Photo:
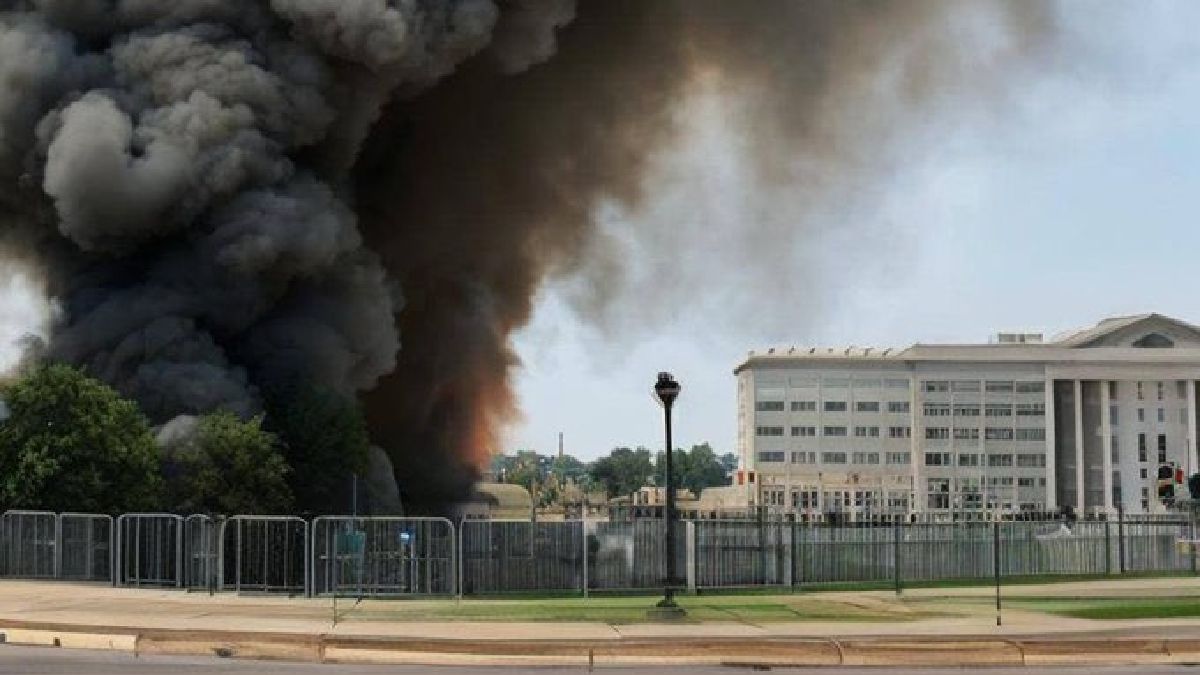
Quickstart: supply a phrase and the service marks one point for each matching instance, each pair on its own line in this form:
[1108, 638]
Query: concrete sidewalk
[273, 627]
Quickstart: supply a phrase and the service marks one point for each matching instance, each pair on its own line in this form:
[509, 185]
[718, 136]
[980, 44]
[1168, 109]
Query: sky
[1076, 202]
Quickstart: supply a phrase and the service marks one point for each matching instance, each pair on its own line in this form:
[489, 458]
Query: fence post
[1107, 549]
[690, 548]
[583, 535]
[1121, 538]
[996, 564]
[896, 533]
[58, 539]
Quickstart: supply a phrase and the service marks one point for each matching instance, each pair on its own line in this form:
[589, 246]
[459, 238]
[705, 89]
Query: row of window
[834, 432]
[867, 458]
[1023, 460]
[845, 382]
[993, 386]
[1181, 387]
[1115, 417]
[832, 406]
[989, 433]
[989, 410]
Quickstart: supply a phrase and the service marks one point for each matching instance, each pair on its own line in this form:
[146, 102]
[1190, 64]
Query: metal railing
[264, 554]
[386, 556]
[383, 556]
[149, 550]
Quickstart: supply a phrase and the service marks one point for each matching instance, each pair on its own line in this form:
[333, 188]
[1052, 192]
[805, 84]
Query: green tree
[694, 470]
[623, 471]
[71, 443]
[325, 442]
[227, 466]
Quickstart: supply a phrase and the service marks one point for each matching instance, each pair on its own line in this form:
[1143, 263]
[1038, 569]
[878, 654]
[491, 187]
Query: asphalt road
[51, 661]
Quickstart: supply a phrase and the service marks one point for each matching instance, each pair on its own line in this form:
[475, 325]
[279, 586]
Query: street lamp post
[666, 389]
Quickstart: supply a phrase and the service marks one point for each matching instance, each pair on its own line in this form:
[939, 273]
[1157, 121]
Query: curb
[749, 652]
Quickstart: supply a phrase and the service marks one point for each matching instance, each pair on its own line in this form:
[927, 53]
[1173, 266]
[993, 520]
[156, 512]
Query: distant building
[499, 501]
[1021, 424]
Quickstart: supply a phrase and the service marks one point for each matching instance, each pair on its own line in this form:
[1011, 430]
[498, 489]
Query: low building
[497, 501]
[1018, 425]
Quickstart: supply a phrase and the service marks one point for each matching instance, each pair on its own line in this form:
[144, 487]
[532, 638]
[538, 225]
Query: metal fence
[382, 556]
[149, 550]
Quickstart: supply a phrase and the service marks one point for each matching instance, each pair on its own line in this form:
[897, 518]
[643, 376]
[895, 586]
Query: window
[1031, 387]
[935, 386]
[1116, 449]
[771, 456]
[965, 385]
[835, 406]
[804, 406]
[938, 493]
[968, 459]
[804, 458]
[1000, 460]
[833, 457]
[937, 409]
[864, 458]
[1162, 448]
[804, 431]
[834, 431]
[896, 384]
[866, 432]
[860, 383]
[998, 410]
[1112, 389]
[1031, 461]
[998, 434]
[899, 432]
[836, 382]
[1142, 447]
[898, 407]
[1114, 415]
[1143, 473]
[898, 457]
[999, 386]
[937, 433]
[1162, 415]
[966, 434]
[769, 431]
[1160, 390]
[769, 406]
[966, 410]
[937, 459]
[1031, 410]
[1025, 482]
[866, 406]
[1031, 434]
[1181, 388]
[1139, 391]
[1141, 414]
[1183, 415]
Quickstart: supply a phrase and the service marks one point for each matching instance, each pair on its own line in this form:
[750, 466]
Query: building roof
[1122, 339]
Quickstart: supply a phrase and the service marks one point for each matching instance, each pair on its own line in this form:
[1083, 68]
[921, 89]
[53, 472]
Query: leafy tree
[694, 470]
[729, 462]
[71, 443]
[623, 471]
[325, 442]
[227, 466]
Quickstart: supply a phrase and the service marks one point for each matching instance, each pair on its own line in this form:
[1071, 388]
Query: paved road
[50, 661]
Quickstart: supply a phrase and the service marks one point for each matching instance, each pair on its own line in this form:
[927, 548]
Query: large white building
[971, 431]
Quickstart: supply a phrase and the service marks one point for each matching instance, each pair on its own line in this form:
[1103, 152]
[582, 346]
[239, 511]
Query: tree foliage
[325, 442]
[227, 466]
[694, 470]
[623, 471]
[71, 443]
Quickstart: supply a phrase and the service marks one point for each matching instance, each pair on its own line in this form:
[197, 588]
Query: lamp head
[666, 389]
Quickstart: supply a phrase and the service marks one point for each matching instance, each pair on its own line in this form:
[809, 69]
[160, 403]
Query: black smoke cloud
[222, 194]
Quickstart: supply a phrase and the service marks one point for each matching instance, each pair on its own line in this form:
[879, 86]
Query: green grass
[624, 610]
[1114, 608]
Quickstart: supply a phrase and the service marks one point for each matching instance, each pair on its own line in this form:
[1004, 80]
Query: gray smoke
[226, 194]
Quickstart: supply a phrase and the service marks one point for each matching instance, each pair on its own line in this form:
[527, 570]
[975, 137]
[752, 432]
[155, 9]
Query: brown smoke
[481, 188]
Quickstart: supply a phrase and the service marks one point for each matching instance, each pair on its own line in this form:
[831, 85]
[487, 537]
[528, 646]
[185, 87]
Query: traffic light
[1166, 484]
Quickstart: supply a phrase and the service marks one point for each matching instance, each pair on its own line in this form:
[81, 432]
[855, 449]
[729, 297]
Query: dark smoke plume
[224, 194]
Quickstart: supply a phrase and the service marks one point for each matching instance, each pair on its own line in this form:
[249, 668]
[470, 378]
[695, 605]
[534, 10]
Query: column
[1079, 466]
[1192, 462]
[1051, 454]
[1106, 443]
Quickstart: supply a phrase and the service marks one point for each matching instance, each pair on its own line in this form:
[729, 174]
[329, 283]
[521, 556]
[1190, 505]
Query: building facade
[1018, 425]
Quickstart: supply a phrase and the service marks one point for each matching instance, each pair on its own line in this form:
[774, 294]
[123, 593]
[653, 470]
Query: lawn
[623, 610]
[1113, 608]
